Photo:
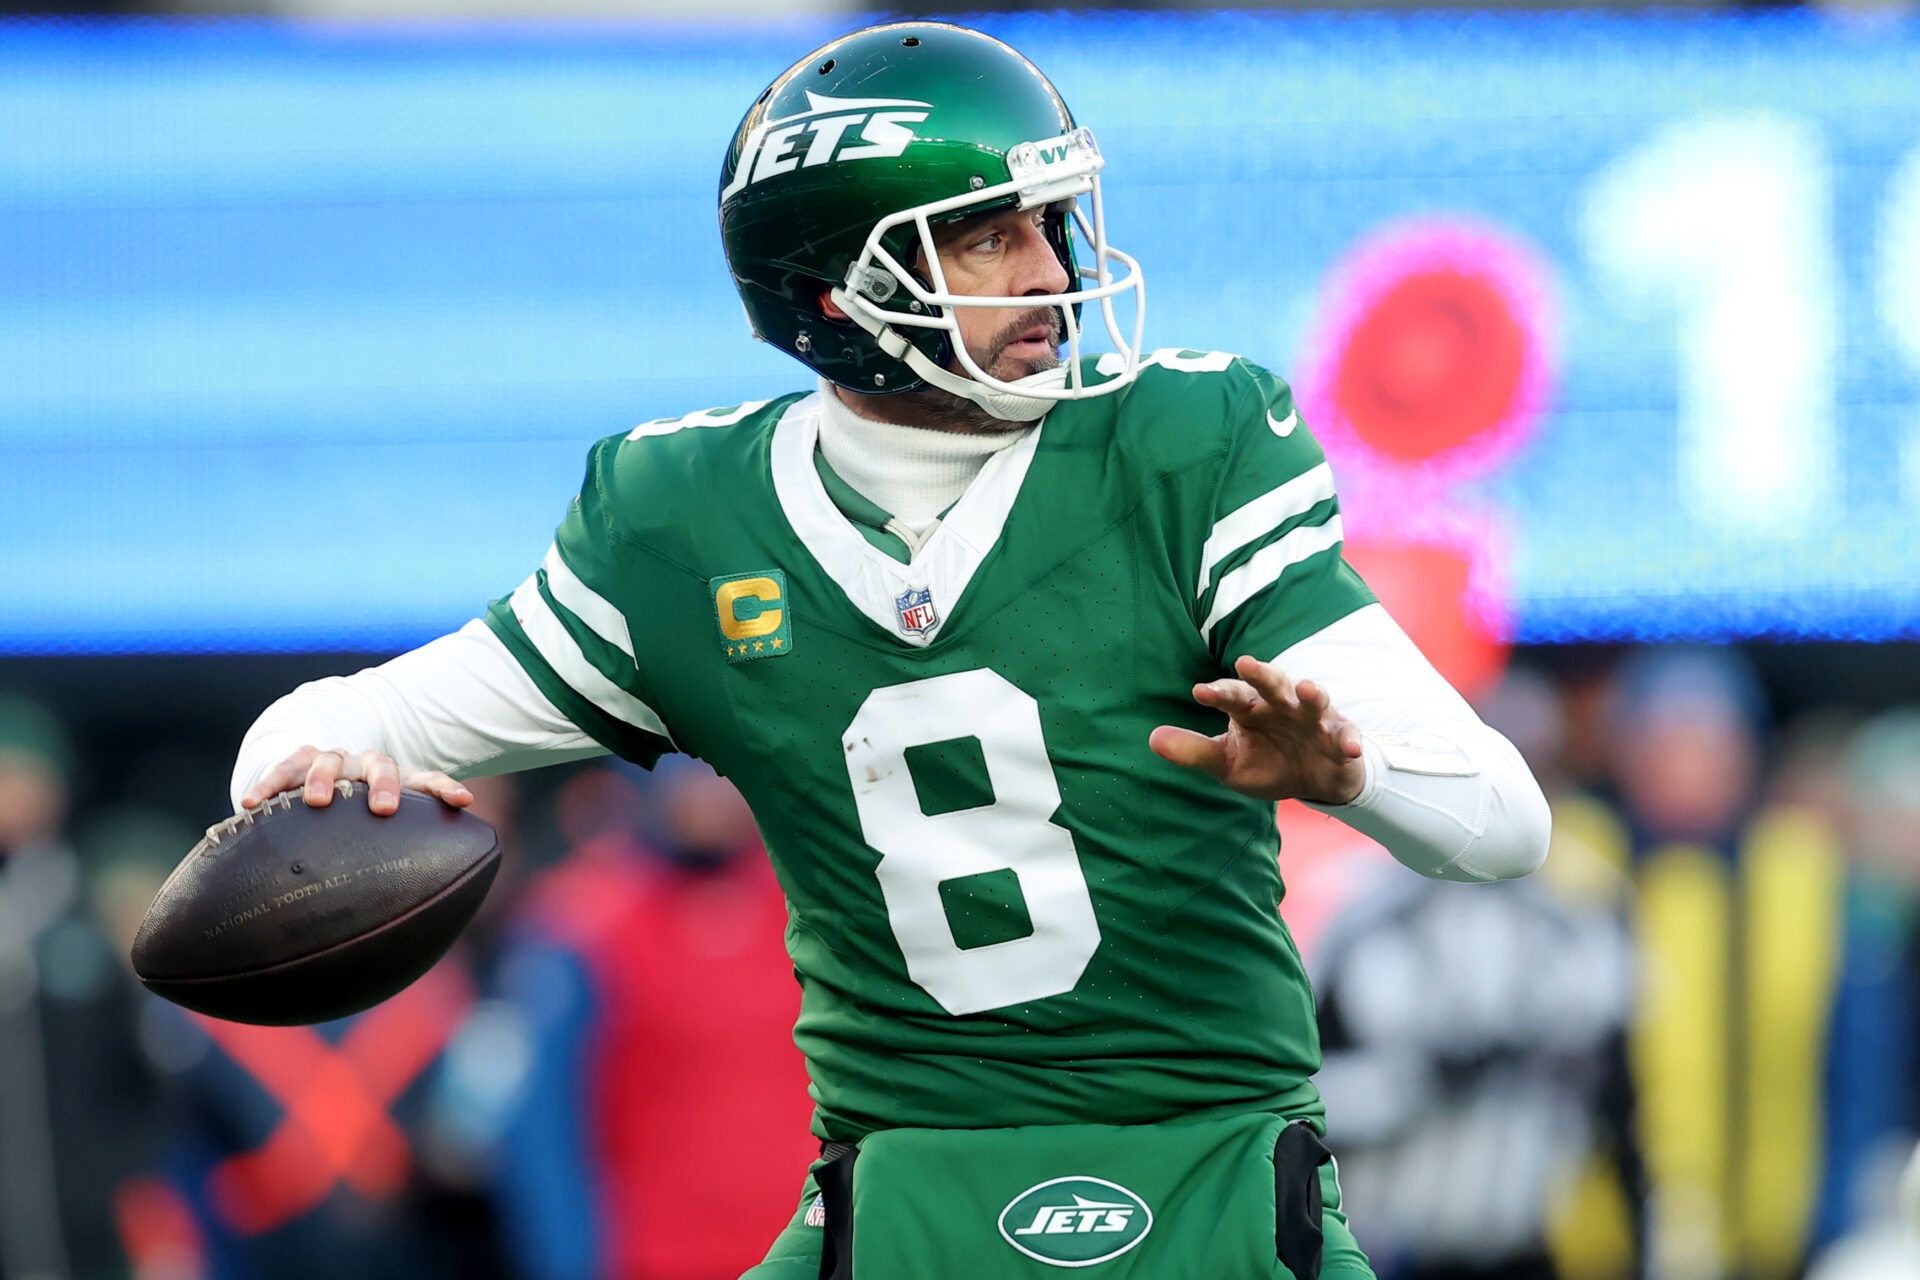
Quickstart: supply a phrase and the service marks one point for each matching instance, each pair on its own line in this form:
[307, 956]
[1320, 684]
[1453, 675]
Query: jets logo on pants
[1075, 1221]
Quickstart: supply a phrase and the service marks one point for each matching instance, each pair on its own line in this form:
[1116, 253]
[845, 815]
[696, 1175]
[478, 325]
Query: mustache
[1049, 316]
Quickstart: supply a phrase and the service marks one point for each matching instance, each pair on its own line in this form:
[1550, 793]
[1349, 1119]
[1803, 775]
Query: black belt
[1298, 1154]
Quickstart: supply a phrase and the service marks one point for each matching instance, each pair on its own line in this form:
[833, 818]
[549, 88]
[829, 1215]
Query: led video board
[1611, 325]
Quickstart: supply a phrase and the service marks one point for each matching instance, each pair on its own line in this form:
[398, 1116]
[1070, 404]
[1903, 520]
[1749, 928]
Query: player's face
[1007, 255]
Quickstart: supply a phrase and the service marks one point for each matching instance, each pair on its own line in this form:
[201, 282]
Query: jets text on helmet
[831, 129]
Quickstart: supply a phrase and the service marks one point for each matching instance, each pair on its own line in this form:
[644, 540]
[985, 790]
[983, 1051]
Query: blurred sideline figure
[1870, 1217]
[76, 1104]
[1738, 910]
[650, 975]
[1475, 1046]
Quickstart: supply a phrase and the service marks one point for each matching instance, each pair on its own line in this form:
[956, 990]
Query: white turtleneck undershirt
[911, 473]
[1446, 794]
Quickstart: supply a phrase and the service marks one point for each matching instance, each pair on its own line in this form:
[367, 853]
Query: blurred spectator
[1738, 904]
[76, 1104]
[1873, 1070]
[1810, 769]
[129, 851]
[294, 1157]
[1474, 1040]
[1684, 743]
[595, 803]
[661, 1116]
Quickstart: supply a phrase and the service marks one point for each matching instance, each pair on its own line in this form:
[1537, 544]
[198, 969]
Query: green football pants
[795, 1254]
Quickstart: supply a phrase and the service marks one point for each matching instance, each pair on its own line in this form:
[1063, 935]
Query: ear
[829, 308]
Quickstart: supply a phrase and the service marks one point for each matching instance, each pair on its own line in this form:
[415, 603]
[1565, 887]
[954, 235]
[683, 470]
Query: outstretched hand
[315, 771]
[1284, 741]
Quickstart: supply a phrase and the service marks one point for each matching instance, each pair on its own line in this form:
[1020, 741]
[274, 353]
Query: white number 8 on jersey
[1015, 831]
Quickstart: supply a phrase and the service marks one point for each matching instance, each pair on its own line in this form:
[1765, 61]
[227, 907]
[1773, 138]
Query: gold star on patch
[776, 642]
[758, 645]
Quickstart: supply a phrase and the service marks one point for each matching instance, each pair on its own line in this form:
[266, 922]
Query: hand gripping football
[290, 914]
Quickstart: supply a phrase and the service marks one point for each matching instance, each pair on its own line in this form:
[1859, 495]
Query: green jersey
[1004, 908]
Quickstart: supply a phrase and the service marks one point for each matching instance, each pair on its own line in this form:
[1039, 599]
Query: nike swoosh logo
[1283, 427]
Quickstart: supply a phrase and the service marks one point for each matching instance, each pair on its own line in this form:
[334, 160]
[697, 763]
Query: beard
[940, 410]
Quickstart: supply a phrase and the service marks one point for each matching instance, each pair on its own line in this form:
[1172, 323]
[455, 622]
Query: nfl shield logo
[915, 606]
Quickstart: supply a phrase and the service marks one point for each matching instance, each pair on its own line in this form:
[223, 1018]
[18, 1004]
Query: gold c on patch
[755, 619]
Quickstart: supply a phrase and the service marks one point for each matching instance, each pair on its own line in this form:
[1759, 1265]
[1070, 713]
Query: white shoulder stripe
[698, 418]
[562, 652]
[1262, 516]
[588, 605]
[1267, 565]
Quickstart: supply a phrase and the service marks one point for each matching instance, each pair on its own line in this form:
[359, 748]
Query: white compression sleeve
[460, 704]
[1446, 794]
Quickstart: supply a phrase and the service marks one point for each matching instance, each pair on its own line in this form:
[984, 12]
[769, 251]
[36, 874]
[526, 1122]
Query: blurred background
[1609, 319]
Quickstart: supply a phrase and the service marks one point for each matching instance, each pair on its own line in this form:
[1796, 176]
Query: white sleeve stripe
[585, 603]
[562, 652]
[1262, 516]
[1267, 565]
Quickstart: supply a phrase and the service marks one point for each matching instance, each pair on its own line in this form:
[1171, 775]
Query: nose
[1038, 269]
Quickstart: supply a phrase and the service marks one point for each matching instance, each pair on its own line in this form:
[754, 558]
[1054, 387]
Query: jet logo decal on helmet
[820, 134]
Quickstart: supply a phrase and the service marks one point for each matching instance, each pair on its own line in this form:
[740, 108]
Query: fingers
[1350, 745]
[1305, 702]
[281, 777]
[1313, 699]
[381, 773]
[1271, 683]
[1235, 697]
[316, 772]
[440, 786]
[328, 767]
[1193, 750]
[1254, 698]
[1284, 739]
[383, 781]
[1310, 700]
[1315, 704]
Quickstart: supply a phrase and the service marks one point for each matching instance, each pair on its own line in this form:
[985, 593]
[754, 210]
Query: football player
[1012, 656]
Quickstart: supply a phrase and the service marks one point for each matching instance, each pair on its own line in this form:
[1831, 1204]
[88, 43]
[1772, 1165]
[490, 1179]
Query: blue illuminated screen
[304, 333]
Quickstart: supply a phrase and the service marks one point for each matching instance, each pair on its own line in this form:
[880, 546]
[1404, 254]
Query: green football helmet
[844, 165]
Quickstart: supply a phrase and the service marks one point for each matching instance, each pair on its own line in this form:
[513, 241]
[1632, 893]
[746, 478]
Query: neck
[910, 471]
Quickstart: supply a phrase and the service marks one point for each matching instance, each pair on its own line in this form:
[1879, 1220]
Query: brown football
[290, 914]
